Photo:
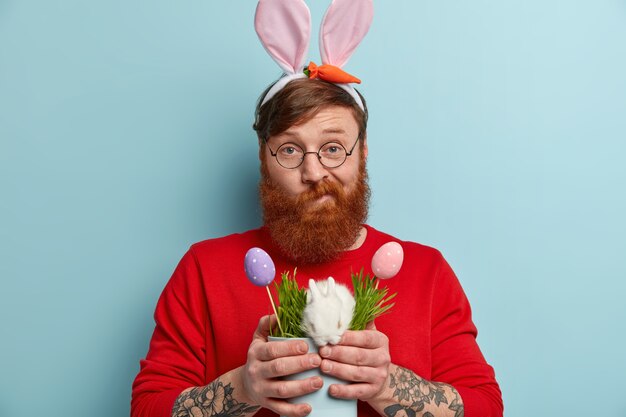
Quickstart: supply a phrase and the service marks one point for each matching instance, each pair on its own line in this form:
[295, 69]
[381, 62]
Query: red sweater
[208, 312]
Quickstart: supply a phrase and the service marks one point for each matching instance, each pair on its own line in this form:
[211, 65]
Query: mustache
[321, 189]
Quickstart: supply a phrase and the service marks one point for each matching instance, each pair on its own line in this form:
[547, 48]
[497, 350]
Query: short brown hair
[299, 101]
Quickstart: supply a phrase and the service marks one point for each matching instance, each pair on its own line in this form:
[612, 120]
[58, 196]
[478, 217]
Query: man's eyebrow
[289, 134]
[296, 135]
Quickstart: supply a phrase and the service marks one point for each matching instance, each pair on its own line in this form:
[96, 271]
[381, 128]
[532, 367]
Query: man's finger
[284, 408]
[368, 339]
[273, 350]
[355, 355]
[289, 365]
[354, 373]
[291, 389]
[263, 328]
[352, 391]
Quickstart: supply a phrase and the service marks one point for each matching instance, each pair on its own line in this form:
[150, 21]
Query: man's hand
[268, 361]
[362, 357]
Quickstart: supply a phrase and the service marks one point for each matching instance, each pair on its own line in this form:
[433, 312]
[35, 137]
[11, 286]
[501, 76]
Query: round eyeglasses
[331, 154]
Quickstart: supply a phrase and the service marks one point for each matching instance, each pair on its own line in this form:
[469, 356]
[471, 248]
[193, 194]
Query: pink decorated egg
[387, 260]
[259, 267]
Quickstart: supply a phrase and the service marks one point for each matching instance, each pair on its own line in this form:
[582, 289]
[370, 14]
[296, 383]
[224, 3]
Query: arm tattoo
[213, 400]
[413, 393]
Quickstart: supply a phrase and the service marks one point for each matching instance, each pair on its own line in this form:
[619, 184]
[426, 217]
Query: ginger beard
[308, 231]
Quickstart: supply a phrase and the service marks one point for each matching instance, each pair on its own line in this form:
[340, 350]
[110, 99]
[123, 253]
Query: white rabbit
[328, 312]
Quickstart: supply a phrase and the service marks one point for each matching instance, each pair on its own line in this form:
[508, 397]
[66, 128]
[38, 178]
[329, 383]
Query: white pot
[322, 404]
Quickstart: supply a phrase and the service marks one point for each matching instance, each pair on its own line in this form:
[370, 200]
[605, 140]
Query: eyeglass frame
[319, 157]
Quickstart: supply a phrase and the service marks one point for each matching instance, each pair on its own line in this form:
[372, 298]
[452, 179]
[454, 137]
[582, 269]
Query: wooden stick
[274, 307]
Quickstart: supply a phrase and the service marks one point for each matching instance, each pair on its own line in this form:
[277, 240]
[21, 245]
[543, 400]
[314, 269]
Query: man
[421, 359]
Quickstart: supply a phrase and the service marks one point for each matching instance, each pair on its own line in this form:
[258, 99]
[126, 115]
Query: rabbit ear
[284, 28]
[344, 26]
[315, 292]
[331, 286]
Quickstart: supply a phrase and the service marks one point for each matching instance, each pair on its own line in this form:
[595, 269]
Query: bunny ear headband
[284, 28]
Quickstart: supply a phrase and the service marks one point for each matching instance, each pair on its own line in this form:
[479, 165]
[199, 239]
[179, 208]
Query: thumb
[370, 326]
[263, 329]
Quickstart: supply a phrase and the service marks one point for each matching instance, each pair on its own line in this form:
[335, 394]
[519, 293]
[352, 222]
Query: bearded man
[422, 358]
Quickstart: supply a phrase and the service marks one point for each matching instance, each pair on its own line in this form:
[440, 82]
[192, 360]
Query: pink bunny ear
[284, 28]
[344, 26]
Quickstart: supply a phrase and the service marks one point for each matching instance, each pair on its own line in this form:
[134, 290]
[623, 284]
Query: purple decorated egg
[259, 267]
[387, 260]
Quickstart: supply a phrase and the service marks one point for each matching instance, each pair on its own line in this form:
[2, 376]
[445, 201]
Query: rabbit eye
[339, 325]
[312, 327]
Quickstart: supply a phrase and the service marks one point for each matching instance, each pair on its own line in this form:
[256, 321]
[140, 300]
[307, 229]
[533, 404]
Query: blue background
[497, 135]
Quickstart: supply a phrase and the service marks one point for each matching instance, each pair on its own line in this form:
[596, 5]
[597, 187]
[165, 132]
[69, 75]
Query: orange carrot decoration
[330, 73]
[284, 29]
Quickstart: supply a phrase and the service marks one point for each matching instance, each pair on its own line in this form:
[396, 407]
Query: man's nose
[312, 169]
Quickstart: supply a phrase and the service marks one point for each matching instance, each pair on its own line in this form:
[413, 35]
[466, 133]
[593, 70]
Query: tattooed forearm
[215, 399]
[416, 395]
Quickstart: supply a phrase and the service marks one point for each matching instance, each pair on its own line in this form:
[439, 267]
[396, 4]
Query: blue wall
[125, 137]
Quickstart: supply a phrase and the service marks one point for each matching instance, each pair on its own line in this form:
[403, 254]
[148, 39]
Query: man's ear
[261, 148]
[364, 149]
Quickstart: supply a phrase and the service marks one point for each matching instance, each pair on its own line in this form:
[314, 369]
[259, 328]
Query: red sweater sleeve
[176, 357]
[456, 357]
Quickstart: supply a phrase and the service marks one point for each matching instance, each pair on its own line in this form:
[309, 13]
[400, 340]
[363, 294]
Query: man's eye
[289, 150]
[333, 150]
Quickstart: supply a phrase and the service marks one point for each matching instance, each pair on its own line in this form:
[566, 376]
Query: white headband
[284, 28]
